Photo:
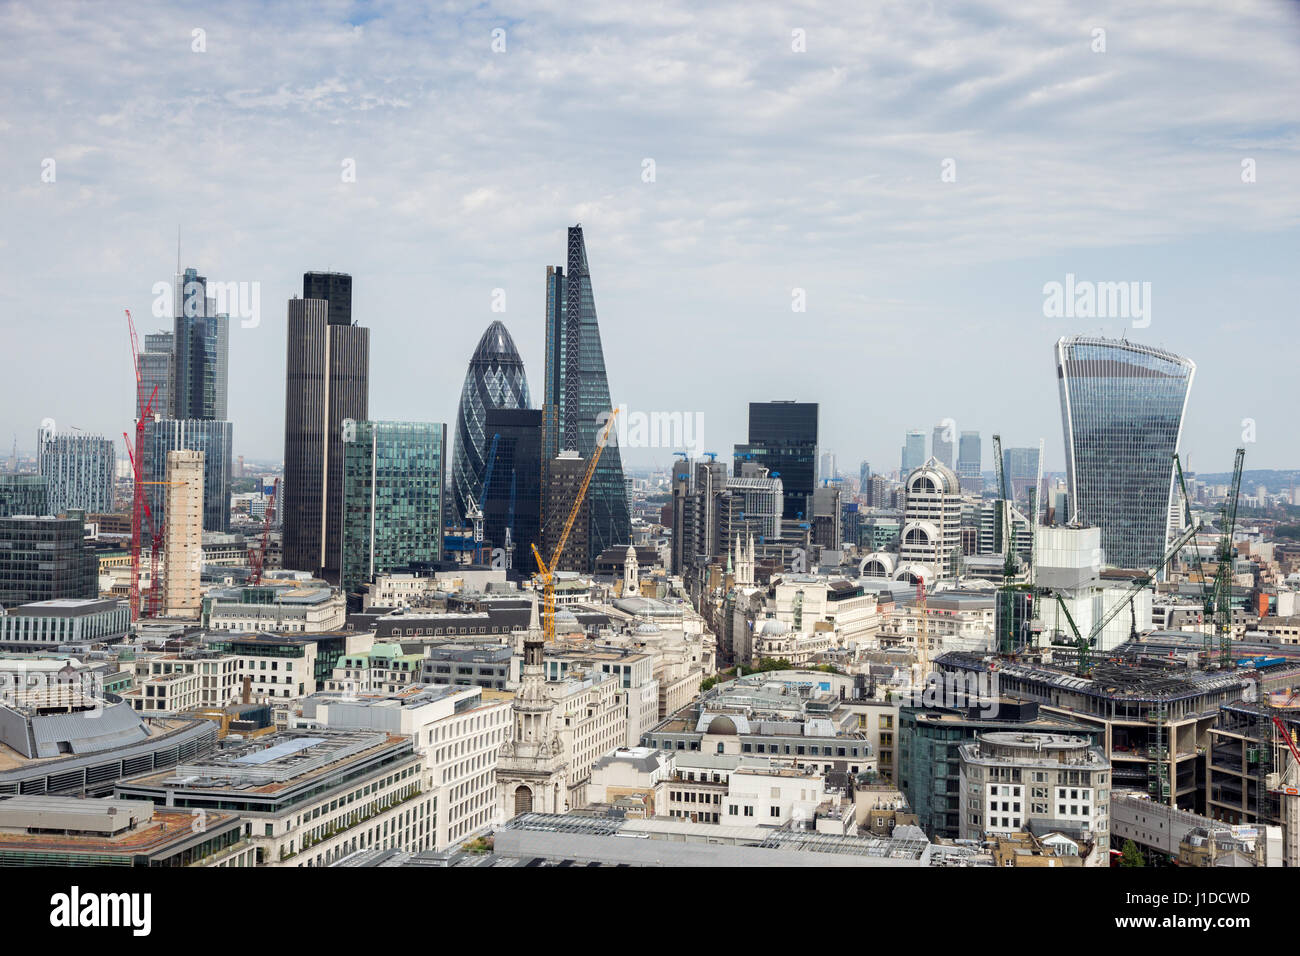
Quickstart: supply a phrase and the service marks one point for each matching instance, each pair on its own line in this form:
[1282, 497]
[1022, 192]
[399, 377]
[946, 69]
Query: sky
[912, 174]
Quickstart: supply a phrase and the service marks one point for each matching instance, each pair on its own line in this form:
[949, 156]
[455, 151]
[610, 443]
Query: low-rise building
[306, 797]
[72, 831]
[63, 623]
[1045, 783]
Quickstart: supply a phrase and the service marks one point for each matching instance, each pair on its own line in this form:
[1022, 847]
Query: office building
[334, 289]
[752, 504]
[931, 535]
[495, 379]
[392, 498]
[156, 367]
[1122, 407]
[913, 453]
[969, 462]
[930, 738]
[577, 399]
[183, 534]
[46, 558]
[49, 625]
[213, 439]
[308, 797]
[79, 470]
[783, 439]
[327, 384]
[201, 354]
[828, 470]
[563, 481]
[943, 444]
[1020, 466]
[24, 495]
[458, 730]
[1043, 783]
[67, 831]
[512, 510]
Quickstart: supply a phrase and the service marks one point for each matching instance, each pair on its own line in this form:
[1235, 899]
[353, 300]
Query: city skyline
[872, 238]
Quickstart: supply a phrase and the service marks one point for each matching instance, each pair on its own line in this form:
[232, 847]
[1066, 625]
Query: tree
[1130, 855]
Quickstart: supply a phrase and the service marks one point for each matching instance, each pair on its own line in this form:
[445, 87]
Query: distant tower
[631, 581]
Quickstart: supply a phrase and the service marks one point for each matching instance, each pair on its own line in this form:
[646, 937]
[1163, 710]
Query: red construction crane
[139, 508]
[257, 556]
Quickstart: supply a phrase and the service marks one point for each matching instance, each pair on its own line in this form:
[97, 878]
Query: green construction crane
[1223, 554]
[1207, 588]
[1086, 644]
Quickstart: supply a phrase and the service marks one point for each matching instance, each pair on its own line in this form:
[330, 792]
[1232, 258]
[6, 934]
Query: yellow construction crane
[545, 576]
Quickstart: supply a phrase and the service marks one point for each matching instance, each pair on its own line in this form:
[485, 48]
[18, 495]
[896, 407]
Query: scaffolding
[1158, 764]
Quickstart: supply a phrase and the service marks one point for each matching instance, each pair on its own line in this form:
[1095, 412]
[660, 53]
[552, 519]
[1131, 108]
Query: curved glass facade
[495, 379]
[1122, 410]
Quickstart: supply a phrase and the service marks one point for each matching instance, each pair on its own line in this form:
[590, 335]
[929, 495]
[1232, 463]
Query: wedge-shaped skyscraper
[495, 379]
[1122, 408]
[577, 400]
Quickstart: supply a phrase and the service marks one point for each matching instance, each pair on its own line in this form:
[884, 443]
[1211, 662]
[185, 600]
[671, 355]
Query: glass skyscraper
[969, 458]
[514, 497]
[213, 438]
[783, 439]
[577, 400]
[1122, 407]
[913, 456]
[156, 363]
[495, 379]
[201, 349]
[392, 497]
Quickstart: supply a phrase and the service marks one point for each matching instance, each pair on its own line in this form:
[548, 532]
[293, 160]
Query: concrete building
[71, 831]
[307, 797]
[274, 607]
[560, 729]
[49, 625]
[1045, 783]
[588, 840]
[183, 535]
[458, 730]
[931, 535]
[929, 761]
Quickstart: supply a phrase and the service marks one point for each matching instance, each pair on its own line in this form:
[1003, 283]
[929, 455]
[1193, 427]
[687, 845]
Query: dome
[647, 627]
[722, 725]
[774, 628]
[933, 477]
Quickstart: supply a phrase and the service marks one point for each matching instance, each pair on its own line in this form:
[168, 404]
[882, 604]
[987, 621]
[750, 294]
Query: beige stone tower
[183, 534]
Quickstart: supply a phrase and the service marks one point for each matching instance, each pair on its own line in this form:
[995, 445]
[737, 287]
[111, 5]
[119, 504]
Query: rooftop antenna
[178, 248]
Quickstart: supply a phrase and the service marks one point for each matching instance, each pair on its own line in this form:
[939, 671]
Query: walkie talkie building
[1122, 408]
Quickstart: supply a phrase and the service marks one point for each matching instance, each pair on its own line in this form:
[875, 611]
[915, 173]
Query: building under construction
[1155, 718]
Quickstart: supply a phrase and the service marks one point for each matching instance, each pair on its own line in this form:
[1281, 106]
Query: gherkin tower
[495, 379]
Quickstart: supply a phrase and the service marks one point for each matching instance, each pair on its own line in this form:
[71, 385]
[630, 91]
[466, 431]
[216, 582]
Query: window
[776, 811]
